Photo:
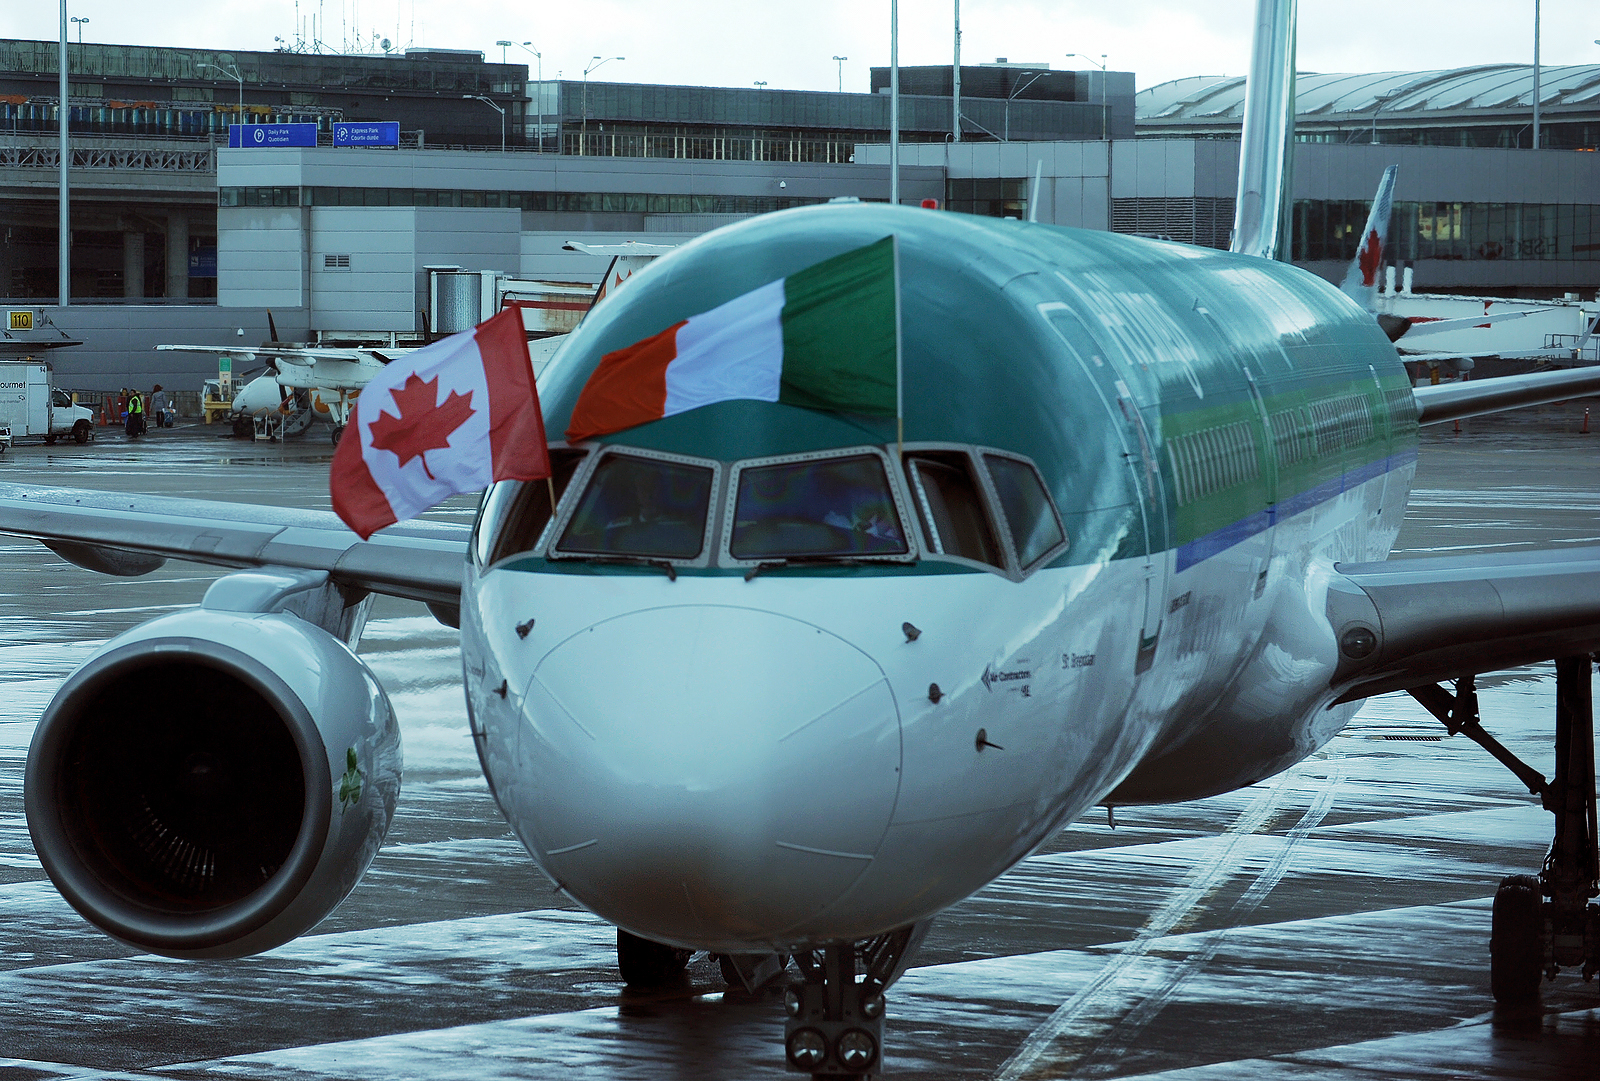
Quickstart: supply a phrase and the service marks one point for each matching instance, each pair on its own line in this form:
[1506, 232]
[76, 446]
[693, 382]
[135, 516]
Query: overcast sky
[789, 45]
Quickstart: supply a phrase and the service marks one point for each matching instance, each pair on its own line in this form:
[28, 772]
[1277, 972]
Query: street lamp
[493, 105]
[1037, 75]
[1383, 102]
[526, 46]
[1103, 104]
[504, 45]
[761, 82]
[842, 59]
[236, 77]
[80, 23]
[594, 62]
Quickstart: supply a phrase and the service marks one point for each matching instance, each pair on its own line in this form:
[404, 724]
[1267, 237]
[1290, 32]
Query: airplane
[1428, 316]
[783, 684]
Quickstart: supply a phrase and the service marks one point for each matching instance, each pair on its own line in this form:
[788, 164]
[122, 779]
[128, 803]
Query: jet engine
[213, 783]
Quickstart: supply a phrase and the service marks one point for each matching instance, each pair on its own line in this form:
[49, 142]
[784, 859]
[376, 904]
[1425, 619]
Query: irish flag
[827, 337]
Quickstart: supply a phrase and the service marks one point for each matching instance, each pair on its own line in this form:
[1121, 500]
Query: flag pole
[899, 379]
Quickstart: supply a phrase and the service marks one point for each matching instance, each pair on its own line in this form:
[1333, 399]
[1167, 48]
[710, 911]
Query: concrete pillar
[177, 254]
[133, 264]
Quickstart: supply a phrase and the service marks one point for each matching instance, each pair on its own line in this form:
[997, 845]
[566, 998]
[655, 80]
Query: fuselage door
[1137, 417]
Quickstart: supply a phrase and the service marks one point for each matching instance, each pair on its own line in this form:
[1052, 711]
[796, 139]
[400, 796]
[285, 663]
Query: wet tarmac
[1331, 923]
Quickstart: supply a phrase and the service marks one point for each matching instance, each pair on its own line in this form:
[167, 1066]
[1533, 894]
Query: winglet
[1361, 280]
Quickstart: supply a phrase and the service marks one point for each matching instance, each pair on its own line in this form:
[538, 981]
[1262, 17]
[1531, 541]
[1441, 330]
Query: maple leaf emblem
[424, 422]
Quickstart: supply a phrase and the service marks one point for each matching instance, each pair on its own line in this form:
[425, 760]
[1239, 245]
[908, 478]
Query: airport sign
[251, 135]
[367, 133]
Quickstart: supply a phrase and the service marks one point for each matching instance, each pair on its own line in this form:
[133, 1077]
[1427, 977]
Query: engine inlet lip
[107, 908]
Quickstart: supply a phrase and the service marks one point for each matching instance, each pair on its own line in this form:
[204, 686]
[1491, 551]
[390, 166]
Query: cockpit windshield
[641, 507]
[827, 507]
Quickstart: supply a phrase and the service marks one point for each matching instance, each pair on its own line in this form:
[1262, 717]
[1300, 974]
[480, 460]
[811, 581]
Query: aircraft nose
[706, 774]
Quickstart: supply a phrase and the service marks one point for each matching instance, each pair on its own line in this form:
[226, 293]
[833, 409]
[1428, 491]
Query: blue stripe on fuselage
[1221, 540]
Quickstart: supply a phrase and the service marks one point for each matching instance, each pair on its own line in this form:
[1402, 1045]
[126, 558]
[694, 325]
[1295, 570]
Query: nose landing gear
[1543, 923]
[834, 1025]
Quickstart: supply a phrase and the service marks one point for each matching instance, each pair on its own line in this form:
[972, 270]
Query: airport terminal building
[336, 240]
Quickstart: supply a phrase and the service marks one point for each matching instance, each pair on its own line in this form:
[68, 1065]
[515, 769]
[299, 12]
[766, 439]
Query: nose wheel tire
[649, 964]
[1516, 940]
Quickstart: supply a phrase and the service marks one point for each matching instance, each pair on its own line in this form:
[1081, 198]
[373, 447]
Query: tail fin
[1266, 146]
[1361, 280]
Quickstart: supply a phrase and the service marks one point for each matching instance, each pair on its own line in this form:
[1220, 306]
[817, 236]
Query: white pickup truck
[31, 406]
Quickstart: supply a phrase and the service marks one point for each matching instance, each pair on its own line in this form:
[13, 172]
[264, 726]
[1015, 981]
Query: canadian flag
[452, 417]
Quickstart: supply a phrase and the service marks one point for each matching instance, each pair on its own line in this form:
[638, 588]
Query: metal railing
[144, 159]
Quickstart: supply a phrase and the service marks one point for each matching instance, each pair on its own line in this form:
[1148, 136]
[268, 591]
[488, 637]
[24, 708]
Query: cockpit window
[820, 507]
[641, 507]
[515, 512]
[953, 519]
[1029, 513]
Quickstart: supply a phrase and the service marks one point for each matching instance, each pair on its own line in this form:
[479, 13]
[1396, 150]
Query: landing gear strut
[1545, 923]
[835, 1016]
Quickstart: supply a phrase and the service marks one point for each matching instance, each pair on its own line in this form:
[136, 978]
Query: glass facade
[1331, 229]
[990, 196]
[169, 120]
[588, 202]
[612, 140]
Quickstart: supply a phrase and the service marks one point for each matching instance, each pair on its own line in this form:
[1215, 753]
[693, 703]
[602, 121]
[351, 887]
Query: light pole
[1037, 75]
[526, 46]
[1103, 104]
[493, 105]
[955, 81]
[1375, 113]
[761, 82]
[1536, 74]
[504, 45]
[63, 223]
[235, 76]
[894, 102]
[842, 59]
[594, 62]
[80, 23]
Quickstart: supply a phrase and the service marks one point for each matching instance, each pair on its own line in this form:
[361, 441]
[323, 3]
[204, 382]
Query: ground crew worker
[135, 415]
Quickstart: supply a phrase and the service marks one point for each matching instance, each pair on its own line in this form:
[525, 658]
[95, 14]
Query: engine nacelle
[213, 783]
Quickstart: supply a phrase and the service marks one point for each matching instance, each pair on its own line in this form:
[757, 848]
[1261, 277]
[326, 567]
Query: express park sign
[368, 133]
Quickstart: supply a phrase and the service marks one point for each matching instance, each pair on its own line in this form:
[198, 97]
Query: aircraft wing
[629, 247]
[1454, 401]
[1409, 622]
[130, 535]
[294, 354]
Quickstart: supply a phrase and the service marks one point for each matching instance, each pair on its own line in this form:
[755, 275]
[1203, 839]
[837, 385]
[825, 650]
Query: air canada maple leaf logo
[424, 423]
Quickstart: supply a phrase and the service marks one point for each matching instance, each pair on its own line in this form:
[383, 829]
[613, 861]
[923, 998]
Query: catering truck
[31, 406]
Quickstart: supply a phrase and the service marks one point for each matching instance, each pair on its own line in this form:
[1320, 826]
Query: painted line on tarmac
[1099, 1059]
[1221, 862]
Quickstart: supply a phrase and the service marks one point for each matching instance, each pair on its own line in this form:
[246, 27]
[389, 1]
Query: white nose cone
[710, 775]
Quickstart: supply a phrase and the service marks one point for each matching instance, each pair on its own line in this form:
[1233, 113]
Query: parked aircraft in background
[1456, 331]
[774, 681]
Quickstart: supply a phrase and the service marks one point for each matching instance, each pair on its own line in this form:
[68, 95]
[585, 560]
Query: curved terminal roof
[1394, 93]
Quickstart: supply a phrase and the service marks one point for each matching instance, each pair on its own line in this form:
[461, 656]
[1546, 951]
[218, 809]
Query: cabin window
[838, 507]
[642, 507]
[951, 503]
[1031, 517]
[515, 513]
